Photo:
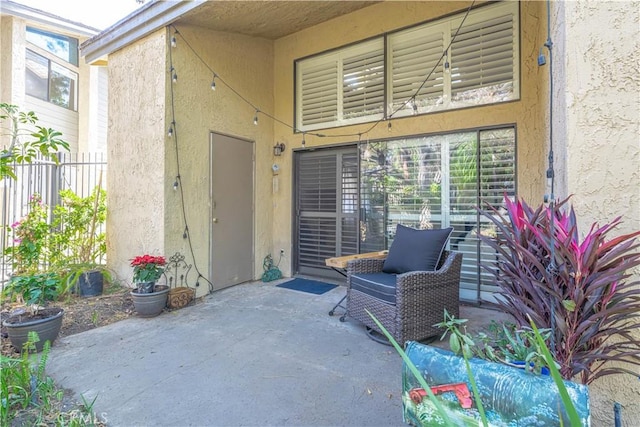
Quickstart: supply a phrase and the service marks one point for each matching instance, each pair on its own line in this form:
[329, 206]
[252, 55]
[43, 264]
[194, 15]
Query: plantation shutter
[363, 83]
[342, 87]
[319, 103]
[349, 206]
[497, 178]
[482, 55]
[438, 181]
[414, 55]
[327, 208]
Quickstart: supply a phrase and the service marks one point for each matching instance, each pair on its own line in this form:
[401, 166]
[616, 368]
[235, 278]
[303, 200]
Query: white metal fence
[79, 172]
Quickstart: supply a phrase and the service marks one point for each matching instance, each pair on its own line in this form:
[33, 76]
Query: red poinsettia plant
[147, 268]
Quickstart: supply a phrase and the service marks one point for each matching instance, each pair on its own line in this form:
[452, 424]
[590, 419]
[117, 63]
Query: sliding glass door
[438, 181]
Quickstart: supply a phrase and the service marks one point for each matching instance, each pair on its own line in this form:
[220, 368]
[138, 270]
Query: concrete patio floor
[250, 355]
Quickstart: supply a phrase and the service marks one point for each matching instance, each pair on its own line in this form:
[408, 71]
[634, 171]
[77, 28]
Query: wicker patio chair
[420, 298]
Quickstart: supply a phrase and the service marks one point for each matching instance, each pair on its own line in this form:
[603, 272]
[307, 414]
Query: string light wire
[173, 42]
[185, 235]
[409, 100]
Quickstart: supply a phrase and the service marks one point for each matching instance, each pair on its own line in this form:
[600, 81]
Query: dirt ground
[81, 313]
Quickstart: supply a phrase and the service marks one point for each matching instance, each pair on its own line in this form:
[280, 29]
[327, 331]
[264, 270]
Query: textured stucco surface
[527, 113]
[598, 127]
[135, 217]
[246, 64]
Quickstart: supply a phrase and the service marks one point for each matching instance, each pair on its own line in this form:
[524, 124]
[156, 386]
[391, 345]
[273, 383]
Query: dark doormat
[306, 285]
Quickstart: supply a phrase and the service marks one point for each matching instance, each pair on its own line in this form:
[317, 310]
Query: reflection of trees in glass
[372, 196]
[401, 181]
[60, 89]
[497, 170]
[463, 172]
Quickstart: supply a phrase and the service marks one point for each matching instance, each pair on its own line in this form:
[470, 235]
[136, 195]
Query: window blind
[347, 86]
[319, 94]
[482, 56]
[414, 55]
[363, 84]
[434, 182]
[342, 87]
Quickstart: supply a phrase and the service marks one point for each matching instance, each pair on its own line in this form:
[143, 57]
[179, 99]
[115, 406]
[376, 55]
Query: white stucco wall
[135, 217]
[12, 60]
[598, 132]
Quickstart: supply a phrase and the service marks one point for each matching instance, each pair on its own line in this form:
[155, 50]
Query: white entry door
[232, 183]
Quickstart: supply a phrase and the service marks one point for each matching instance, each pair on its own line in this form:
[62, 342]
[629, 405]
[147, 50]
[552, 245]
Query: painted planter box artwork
[510, 396]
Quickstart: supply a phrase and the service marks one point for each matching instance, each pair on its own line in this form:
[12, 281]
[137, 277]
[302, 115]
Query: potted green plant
[78, 244]
[149, 298]
[575, 286]
[35, 290]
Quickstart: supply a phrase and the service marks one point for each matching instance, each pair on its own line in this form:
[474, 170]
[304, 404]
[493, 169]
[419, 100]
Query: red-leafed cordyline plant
[596, 308]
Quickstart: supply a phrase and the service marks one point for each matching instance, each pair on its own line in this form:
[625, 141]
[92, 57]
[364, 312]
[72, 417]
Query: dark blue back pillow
[416, 250]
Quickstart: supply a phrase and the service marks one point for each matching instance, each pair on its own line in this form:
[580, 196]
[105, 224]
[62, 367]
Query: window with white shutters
[415, 69]
[483, 59]
[428, 65]
[342, 87]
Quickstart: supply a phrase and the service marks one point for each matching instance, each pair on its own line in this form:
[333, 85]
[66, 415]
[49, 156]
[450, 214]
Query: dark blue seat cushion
[378, 285]
[416, 250]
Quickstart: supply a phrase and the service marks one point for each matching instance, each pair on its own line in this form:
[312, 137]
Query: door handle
[215, 220]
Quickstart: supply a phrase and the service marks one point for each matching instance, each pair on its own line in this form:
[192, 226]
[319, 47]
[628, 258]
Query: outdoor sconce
[278, 149]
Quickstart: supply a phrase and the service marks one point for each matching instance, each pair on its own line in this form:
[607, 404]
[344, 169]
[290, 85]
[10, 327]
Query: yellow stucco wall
[598, 106]
[590, 121]
[527, 113]
[135, 217]
[246, 64]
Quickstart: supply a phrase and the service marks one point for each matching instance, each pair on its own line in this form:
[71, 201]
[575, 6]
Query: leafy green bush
[27, 139]
[77, 237]
[25, 387]
[35, 289]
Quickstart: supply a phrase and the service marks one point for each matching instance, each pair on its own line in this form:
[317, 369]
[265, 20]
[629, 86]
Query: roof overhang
[140, 23]
[271, 19]
[47, 19]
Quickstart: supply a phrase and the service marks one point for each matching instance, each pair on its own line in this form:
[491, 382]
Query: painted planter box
[510, 396]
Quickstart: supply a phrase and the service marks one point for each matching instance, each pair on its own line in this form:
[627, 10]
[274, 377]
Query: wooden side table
[340, 263]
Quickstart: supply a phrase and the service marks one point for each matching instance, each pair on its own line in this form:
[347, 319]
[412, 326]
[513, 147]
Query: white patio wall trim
[34, 15]
[140, 23]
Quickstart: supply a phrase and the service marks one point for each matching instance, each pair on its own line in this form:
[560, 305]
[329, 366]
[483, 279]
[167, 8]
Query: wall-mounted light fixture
[278, 149]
